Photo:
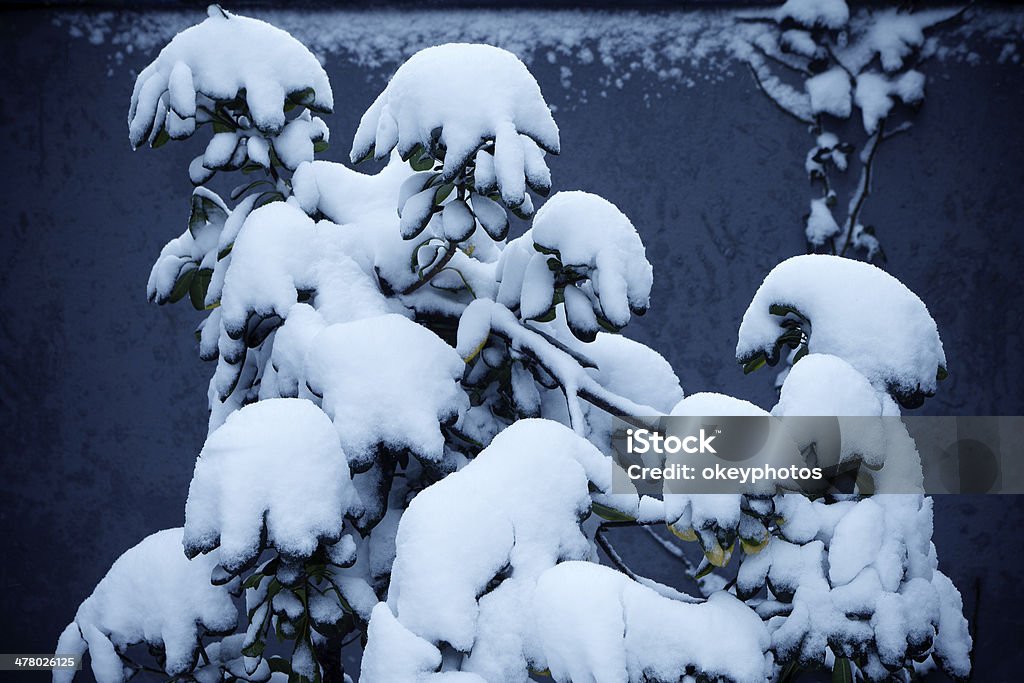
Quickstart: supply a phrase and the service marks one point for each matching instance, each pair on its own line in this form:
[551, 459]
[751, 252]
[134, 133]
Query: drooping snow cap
[459, 95]
[386, 381]
[273, 467]
[219, 58]
[514, 509]
[590, 232]
[152, 594]
[855, 311]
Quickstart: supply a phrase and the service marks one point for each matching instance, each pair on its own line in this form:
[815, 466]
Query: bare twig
[863, 186]
[620, 564]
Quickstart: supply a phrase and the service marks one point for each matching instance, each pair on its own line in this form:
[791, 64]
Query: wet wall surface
[103, 399]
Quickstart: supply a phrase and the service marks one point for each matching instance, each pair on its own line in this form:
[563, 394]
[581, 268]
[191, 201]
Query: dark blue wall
[103, 398]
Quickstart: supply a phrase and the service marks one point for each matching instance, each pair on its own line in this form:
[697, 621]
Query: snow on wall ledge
[675, 47]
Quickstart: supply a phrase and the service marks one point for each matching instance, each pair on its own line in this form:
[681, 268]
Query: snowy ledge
[678, 47]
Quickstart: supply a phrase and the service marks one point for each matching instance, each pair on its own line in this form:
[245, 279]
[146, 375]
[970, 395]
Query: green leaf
[370, 153]
[161, 139]
[253, 581]
[801, 353]
[442, 192]
[841, 672]
[182, 285]
[423, 163]
[610, 513]
[414, 153]
[198, 288]
[755, 363]
[254, 650]
[302, 97]
[942, 373]
[320, 146]
[706, 569]
[782, 310]
[789, 672]
[545, 317]
[279, 665]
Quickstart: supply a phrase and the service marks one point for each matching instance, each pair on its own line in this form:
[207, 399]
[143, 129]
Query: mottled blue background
[103, 399]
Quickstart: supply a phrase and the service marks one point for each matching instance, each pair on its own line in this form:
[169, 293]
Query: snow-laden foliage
[399, 406]
[154, 595]
[849, 309]
[411, 416]
[431, 108]
[820, 63]
[224, 59]
[272, 475]
[594, 623]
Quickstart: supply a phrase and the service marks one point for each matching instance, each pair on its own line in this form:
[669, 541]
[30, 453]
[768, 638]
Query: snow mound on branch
[830, 92]
[270, 262]
[596, 624]
[895, 345]
[711, 403]
[274, 468]
[512, 512]
[822, 384]
[460, 95]
[815, 13]
[218, 58]
[386, 381]
[591, 233]
[874, 94]
[821, 225]
[152, 594]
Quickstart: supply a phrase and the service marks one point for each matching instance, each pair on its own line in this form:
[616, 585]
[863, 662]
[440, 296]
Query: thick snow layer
[223, 55]
[273, 467]
[592, 234]
[514, 510]
[459, 96]
[595, 624]
[822, 384]
[386, 382]
[712, 404]
[867, 577]
[821, 225]
[270, 262]
[815, 13]
[875, 91]
[896, 346]
[393, 653]
[152, 594]
[830, 92]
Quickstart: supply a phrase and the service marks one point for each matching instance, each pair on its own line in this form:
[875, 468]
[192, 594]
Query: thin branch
[575, 381]
[863, 187]
[802, 70]
[952, 18]
[620, 564]
[783, 108]
[903, 127]
[434, 270]
[835, 58]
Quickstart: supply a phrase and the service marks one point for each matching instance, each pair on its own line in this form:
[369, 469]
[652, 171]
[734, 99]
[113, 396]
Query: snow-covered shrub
[411, 415]
[821, 64]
